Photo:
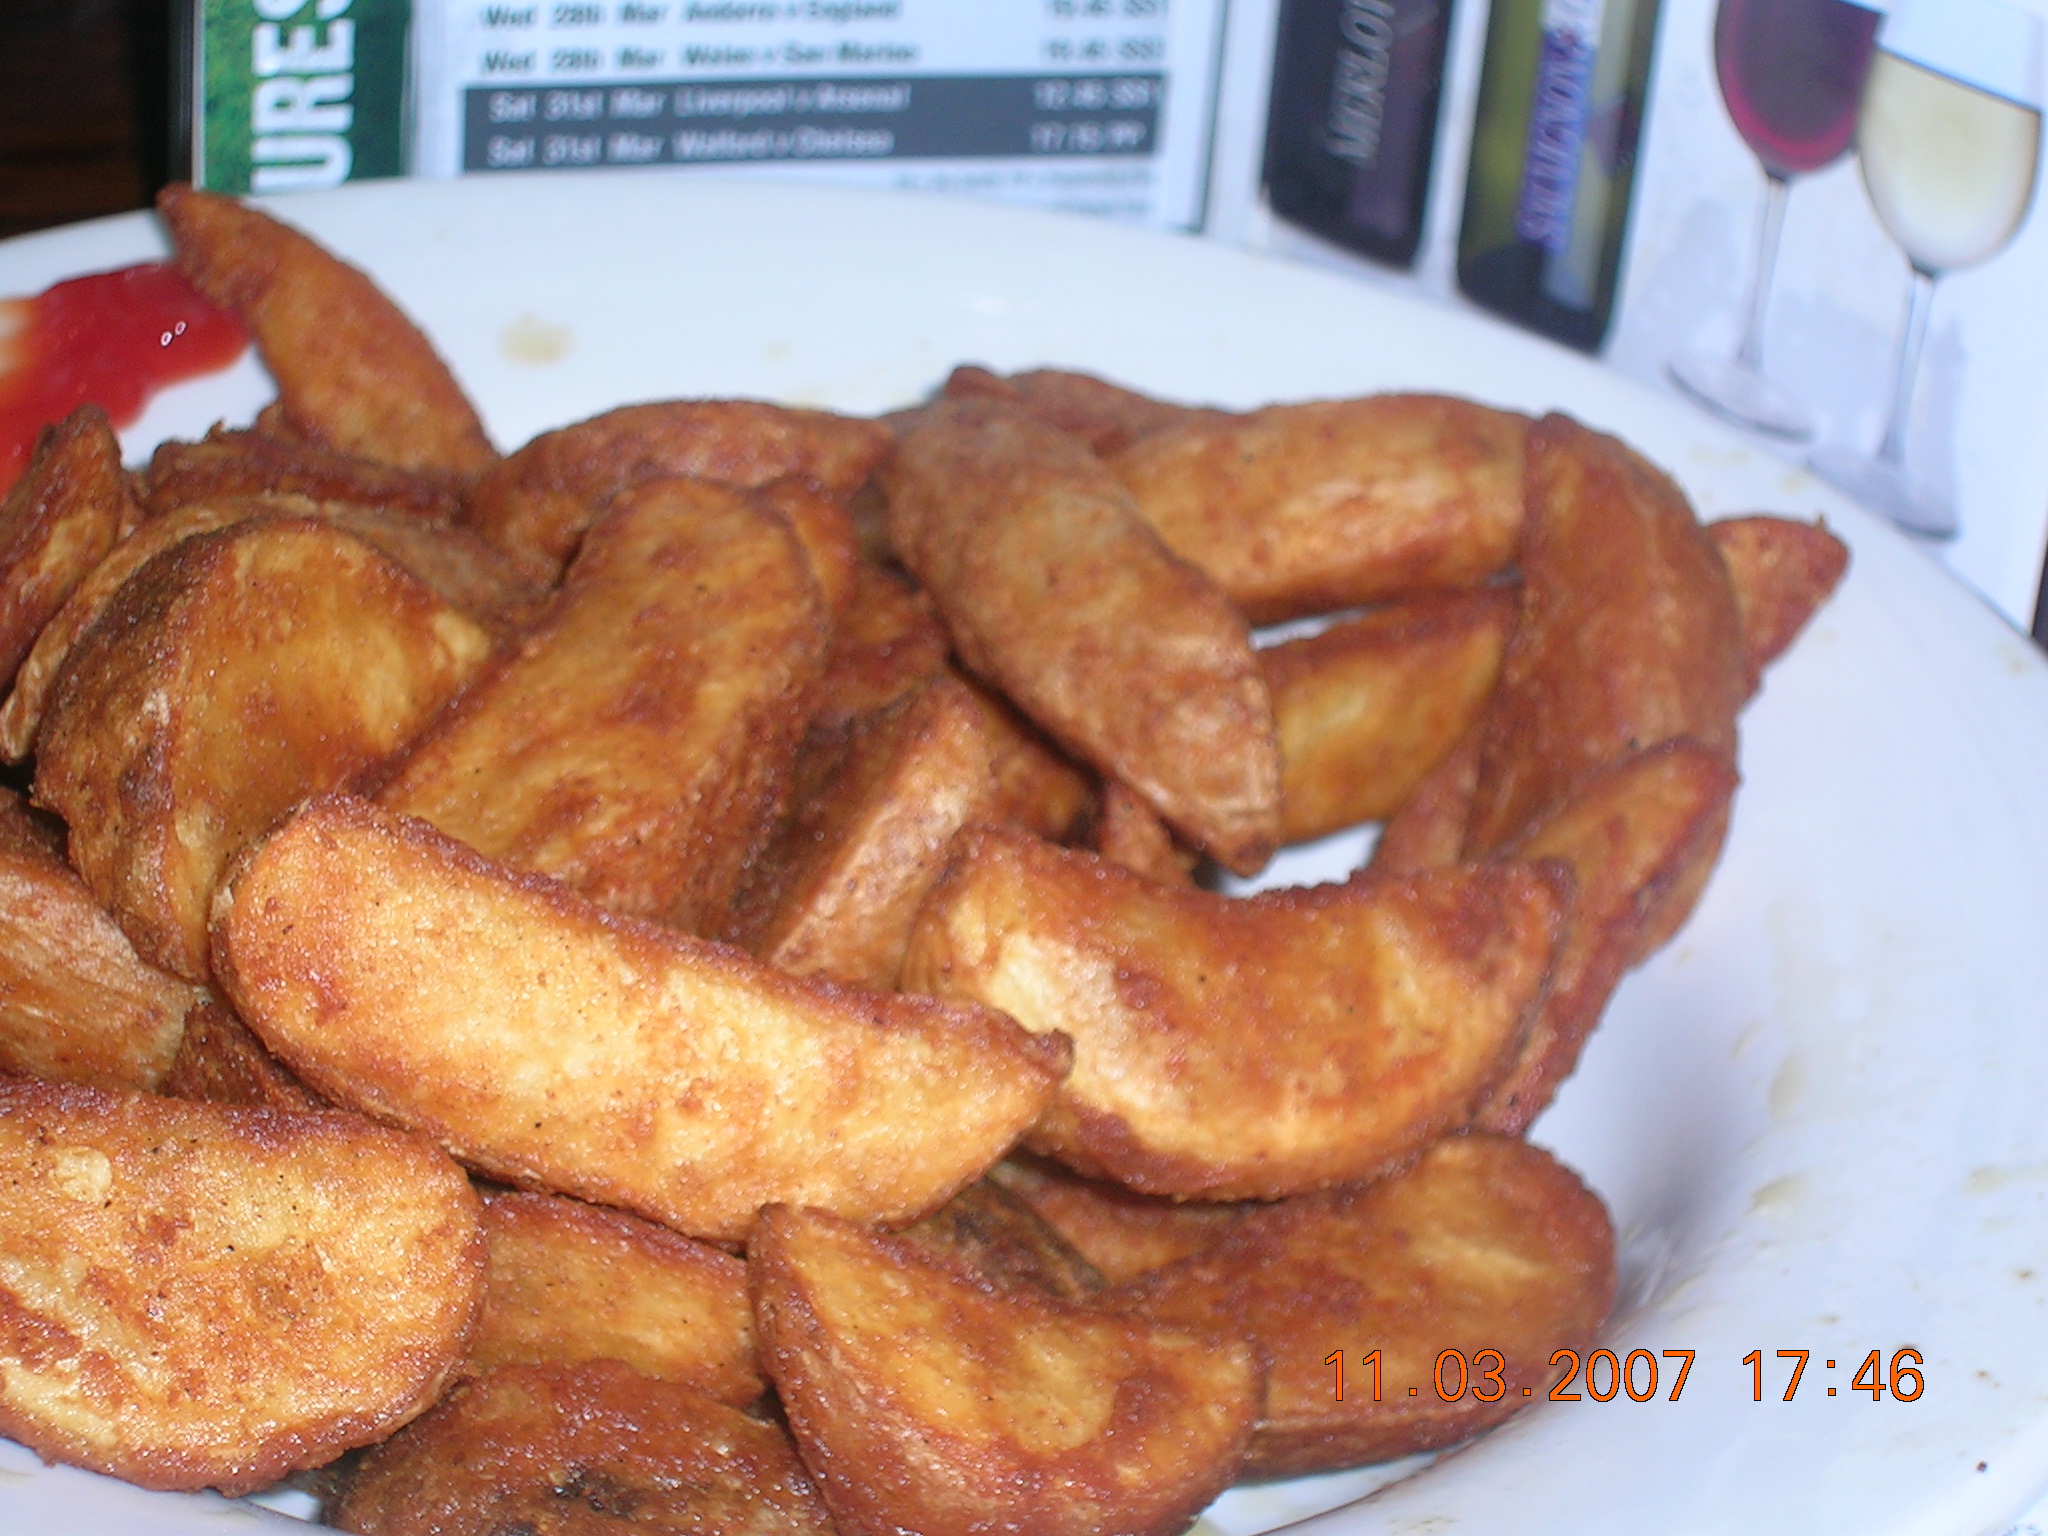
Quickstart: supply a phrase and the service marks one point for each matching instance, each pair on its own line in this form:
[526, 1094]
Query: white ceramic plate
[1817, 1116]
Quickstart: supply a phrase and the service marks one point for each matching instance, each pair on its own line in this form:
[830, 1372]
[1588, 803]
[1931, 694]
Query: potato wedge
[196, 1296]
[1119, 1231]
[221, 1061]
[1127, 831]
[1053, 590]
[1782, 571]
[536, 504]
[353, 373]
[569, 1283]
[77, 1004]
[1428, 831]
[1302, 509]
[922, 1402]
[549, 1043]
[1105, 416]
[227, 464]
[235, 673]
[638, 744]
[64, 513]
[1243, 1048]
[1627, 633]
[1369, 706]
[578, 1451]
[998, 1237]
[1485, 1245]
[1640, 839]
[835, 893]
[886, 644]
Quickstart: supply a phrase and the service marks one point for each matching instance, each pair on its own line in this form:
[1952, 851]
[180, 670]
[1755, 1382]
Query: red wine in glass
[1791, 75]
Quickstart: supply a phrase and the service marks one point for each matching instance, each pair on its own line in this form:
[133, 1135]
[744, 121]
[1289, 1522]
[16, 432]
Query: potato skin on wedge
[578, 1451]
[1243, 1048]
[197, 1296]
[63, 514]
[1483, 1243]
[925, 1403]
[551, 1044]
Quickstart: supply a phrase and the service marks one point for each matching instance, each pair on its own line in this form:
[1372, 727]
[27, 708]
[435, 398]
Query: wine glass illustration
[1950, 135]
[1791, 74]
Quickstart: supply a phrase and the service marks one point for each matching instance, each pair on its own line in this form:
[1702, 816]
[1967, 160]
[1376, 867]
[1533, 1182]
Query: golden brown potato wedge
[1367, 707]
[1301, 509]
[227, 464]
[835, 893]
[1243, 1048]
[569, 1282]
[923, 1402]
[638, 743]
[1428, 831]
[197, 1296]
[1640, 838]
[1105, 416]
[77, 1004]
[997, 1236]
[65, 512]
[1127, 831]
[825, 530]
[581, 1451]
[549, 1043]
[1119, 1231]
[1627, 632]
[886, 644]
[536, 504]
[1782, 571]
[1485, 1245]
[236, 672]
[221, 1061]
[353, 373]
[1053, 589]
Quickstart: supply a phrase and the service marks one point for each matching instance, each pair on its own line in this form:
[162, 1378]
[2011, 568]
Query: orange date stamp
[1602, 1375]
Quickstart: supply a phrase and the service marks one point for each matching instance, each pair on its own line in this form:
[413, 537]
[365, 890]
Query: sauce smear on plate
[114, 338]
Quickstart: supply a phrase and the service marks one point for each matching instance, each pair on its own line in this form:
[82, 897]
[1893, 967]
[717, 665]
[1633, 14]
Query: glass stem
[1750, 354]
[1919, 300]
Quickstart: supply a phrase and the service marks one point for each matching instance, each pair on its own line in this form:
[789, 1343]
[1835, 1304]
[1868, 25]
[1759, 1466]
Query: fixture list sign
[1102, 106]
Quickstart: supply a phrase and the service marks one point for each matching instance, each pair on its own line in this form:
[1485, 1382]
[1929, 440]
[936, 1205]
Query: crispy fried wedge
[228, 464]
[570, 1282]
[836, 892]
[1782, 571]
[1627, 634]
[639, 742]
[1127, 831]
[1485, 1245]
[197, 1296]
[63, 515]
[579, 1451]
[1302, 509]
[997, 1236]
[1119, 1231]
[1428, 831]
[536, 504]
[1369, 706]
[235, 673]
[549, 1043]
[1053, 589]
[923, 1402]
[353, 373]
[221, 1061]
[1243, 1048]
[1105, 416]
[77, 1005]
[1640, 838]
[886, 644]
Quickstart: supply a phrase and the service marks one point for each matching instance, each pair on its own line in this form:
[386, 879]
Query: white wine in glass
[1950, 138]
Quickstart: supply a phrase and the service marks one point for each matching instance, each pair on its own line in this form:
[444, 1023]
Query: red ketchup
[114, 338]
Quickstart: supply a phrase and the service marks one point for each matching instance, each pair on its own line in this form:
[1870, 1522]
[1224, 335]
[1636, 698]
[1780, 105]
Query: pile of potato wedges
[673, 978]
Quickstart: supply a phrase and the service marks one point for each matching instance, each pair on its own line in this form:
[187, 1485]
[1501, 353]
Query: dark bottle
[1352, 125]
[1561, 99]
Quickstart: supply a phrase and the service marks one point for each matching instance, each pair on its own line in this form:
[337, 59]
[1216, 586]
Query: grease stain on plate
[1779, 1197]
[1989, 1178]
[534, 343]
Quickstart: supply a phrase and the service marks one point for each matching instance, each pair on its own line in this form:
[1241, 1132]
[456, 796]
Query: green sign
[300, 94]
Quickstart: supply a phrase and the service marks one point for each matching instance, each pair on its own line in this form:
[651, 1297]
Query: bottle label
[1358, 88]
[1557, 121]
